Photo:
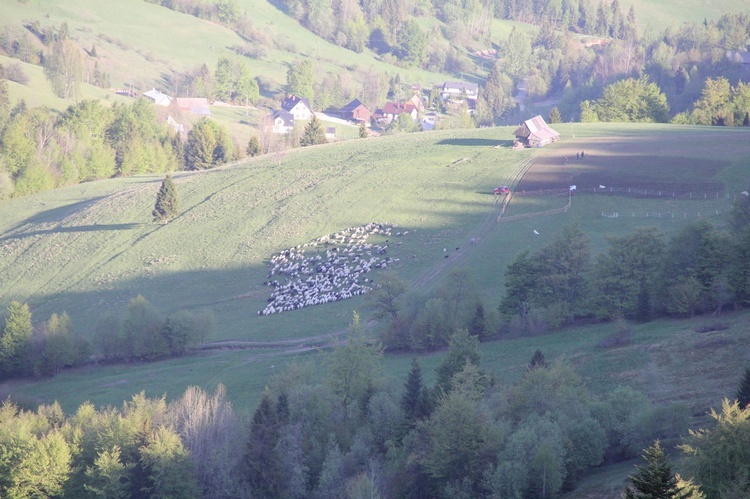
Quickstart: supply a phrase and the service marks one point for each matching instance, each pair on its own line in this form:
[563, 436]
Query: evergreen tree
[263, 464]
[14, 342]
[253, 147]
[555, 116]
[415, 401]
[537, 361]
[743, 392]
[478, 324]
[166, 206]
[363, 131]
[656, 480]
[313, 134]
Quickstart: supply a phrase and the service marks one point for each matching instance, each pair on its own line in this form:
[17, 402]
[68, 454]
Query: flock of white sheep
[329, 269]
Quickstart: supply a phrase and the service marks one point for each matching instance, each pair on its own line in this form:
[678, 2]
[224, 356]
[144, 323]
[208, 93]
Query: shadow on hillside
[76, 228]
[59, 213]
[476, 142]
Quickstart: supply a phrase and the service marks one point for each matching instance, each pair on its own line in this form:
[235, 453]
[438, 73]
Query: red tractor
[503, 189]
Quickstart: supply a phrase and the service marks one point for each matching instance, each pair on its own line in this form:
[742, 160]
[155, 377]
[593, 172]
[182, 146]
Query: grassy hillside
[142, 44]
[658, 15]
[435, 185]
[89, 249]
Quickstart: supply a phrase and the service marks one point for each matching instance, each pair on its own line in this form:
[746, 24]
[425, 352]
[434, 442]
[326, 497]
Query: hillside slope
[90, 248]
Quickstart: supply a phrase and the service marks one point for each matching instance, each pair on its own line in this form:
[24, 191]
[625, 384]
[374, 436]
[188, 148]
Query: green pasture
[666, 359]
[89, 249]
[659, 15]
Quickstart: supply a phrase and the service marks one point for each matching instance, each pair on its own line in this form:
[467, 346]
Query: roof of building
[293, 100]
[159, 98]
[461, 86]
[352, 106]
[537, 130]
[398, 107]
[196, 105]
[284, 115]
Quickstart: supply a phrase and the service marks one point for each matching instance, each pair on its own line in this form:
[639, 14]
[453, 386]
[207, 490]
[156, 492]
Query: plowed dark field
[688, 162]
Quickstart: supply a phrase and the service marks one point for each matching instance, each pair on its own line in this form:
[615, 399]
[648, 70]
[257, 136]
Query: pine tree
[253, 147]
[14, 340]
[656, 480]
[537, 361]
[363, 134]
[478, 324]
[743, 392]
[166, 201]
[415, 401]
[313, 134]
[555, 116]
[262, 460]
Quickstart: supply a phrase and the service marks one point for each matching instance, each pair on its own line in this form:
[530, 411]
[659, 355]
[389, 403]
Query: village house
[458, 90]
[280, 121]
[299, 107]
[159, 98]
[535, 132]
[392, 110]
[355, 111]
[192, 105]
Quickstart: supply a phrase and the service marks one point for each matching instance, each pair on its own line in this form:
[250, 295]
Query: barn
[535, 132]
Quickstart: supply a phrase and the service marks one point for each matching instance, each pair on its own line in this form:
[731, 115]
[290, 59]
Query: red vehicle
[503, 189]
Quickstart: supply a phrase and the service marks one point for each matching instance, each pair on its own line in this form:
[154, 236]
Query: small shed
[330, 132]
[535, 132]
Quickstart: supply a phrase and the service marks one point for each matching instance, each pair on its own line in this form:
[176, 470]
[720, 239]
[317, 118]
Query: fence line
[522, 216]
[630, 190]
[651, 214]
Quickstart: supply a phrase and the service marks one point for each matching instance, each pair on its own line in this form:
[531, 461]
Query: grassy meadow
[89, 249]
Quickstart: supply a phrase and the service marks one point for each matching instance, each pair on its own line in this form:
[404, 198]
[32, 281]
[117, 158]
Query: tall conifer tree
[166, 201]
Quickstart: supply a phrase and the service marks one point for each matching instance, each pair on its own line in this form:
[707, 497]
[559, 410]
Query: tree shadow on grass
[476, 142]
[75, 228]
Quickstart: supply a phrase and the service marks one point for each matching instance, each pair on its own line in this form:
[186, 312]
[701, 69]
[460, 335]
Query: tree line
[356, 434]
[141, 334]
[701, 269]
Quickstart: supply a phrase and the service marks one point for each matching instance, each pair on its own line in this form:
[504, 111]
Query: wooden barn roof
[536, 130]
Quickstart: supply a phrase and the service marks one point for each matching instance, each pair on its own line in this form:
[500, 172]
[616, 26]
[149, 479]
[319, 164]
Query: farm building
[159, 98]
[355, 111]
[535, 132]
[299, 107]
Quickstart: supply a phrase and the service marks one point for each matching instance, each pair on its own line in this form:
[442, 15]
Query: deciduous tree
[63, 67]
